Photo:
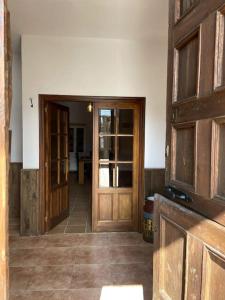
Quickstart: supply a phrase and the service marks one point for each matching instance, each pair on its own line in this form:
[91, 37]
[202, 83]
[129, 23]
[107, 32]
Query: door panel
[117, 165]
[172, 243]
[213, 275]
[57, 164]
[189, 256]
[196, 104]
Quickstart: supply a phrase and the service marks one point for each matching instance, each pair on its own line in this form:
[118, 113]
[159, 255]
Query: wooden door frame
[43, 99]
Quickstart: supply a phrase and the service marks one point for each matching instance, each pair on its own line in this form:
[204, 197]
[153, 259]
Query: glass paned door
[116, 147]
[56, 164]
[116, 165]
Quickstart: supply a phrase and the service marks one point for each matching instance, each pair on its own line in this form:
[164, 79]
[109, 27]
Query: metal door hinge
[46, 164]
[46, 219]
[46, 109]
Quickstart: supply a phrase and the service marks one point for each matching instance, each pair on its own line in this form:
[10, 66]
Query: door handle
[174, 193]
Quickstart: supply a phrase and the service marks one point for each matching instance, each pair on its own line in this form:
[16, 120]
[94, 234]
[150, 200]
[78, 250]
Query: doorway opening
[91, 164]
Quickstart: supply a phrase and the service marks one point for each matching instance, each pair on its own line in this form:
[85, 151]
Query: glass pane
[54, 146]
[63, 168]
[54, 121]
[107, 148]
[63, 146]
[54, 173]
[125, 175]
[63, 122]
[126, 121]
[106, 175]
[125, 148]
[107, 121]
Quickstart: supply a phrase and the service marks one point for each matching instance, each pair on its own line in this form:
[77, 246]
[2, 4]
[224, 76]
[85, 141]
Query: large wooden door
[57, 164]
[189, 253]
[116, 166]
[189, 256]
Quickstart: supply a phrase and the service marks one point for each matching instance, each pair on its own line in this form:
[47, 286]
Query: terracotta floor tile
[81, 294]
[130, 254]
[75, 229]
[125, 274]
[40, 278]
[39, 257]
[27, 242]
[126, 239]
[91, 255]
[77, 220]
[91, 276]
[75, 266]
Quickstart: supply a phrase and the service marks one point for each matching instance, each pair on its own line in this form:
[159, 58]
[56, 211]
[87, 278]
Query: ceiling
[120, 19]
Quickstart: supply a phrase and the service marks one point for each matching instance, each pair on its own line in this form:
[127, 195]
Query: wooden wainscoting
[154, 181]
[14, 189]
[29, 214]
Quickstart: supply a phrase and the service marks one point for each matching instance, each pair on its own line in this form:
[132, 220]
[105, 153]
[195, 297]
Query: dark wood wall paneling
[14, 189]
[29, 222]
[154, 181]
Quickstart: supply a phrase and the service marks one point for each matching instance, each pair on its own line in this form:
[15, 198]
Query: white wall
[100, 67]
[16, 111]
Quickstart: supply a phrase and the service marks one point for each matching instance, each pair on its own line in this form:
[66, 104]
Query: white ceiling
[122, 19]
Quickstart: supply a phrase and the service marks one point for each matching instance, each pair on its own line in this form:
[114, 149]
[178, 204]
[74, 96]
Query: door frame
[45, 98]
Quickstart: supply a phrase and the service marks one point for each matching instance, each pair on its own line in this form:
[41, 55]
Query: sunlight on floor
[131, 292]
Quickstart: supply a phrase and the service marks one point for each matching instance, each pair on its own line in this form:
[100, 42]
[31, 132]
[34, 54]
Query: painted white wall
[16, 111]
[100, 67]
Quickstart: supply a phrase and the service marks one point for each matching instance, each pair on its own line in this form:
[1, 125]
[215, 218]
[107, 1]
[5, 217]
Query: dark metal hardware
[173, 194]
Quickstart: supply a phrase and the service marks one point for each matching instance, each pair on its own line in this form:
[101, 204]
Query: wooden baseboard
[14, 189]
[154, 181]
[29, 213]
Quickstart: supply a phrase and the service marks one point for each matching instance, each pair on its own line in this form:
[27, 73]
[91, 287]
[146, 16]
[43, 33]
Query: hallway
[79, 219]
[77, 266]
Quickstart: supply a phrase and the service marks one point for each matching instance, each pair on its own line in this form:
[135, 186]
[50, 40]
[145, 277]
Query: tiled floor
[79, 219]
[66, 264]
[80, 266]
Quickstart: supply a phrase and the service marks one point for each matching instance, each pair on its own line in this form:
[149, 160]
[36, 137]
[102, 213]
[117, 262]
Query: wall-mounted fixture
[31, 102]
[90, 107]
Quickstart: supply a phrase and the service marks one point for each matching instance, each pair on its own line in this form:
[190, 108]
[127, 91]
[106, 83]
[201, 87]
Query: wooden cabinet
[189, 256]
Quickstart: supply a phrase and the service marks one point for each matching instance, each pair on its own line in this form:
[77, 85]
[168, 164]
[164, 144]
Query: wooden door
[195, 161]
[5, 108]
[116, 166]
[57, 164]
[189, 257]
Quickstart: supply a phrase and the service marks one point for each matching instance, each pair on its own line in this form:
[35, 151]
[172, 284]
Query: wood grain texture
[187, 64]
[14, 189]
[5, 106]
[154, 181]
[126, 202]
[191, 164]
[199, 248]
[140, 101]
[56, 158]
[29, 214]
